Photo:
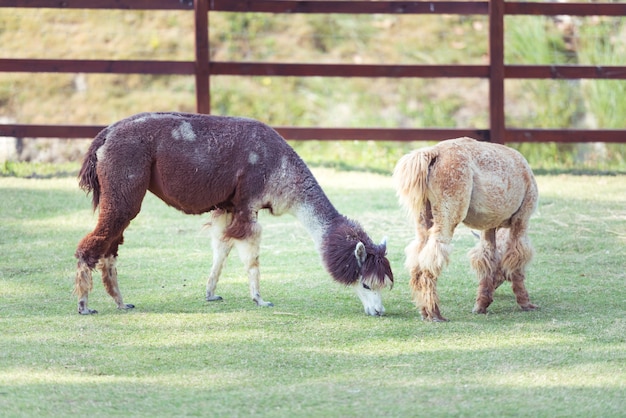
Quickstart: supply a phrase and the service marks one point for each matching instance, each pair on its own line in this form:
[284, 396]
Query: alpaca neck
[300, 194]
[315, 212]
[315, 222]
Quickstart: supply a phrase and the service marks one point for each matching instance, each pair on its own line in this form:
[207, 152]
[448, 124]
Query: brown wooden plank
[50, 131]
[351, 7]
[347, 70]
[574, 9]
[565, 135]
[377, 134]
[373, 134]
[241, 68]
[102, 4]
[95, 66]
[565, 71]
[289, 132]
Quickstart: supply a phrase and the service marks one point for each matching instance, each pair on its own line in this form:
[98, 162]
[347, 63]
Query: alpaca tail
[410, 178]
[88, 176]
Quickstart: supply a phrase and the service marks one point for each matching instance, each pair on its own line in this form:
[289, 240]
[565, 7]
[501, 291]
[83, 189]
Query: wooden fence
[203, 68]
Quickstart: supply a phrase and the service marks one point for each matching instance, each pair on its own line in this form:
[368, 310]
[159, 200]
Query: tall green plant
[602, 44]
[532, 40]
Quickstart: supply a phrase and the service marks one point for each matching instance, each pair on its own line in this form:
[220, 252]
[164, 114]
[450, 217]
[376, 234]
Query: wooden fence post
[202, 67]
[496, 71]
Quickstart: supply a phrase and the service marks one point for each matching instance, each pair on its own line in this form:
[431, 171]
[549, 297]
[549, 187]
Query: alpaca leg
[514, 261]
[95, 247]
[418, 291]
[433, 257]
[519, 251]
[425, 260]
[437, 225]
[90, 250]
[221, 249]
[103, 242]
[249, 253]
[83, 285]
[502, 239]
[424, 290]
[484, 260]
[521, 294]
[109, 279]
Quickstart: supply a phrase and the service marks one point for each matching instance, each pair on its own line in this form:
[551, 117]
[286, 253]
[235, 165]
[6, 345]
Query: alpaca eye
[366, 286]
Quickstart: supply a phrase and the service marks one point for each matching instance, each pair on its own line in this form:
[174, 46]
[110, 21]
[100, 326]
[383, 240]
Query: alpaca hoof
[264, 304]
[87, 311]
[529, 307]
[433, 315]
[213, 298]
[479, 310]
[434, 318]
[126, 306]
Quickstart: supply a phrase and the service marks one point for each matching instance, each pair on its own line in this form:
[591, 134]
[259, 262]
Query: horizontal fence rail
[202, 68]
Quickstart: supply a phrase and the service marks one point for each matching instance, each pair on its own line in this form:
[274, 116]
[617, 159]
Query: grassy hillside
[315, 101]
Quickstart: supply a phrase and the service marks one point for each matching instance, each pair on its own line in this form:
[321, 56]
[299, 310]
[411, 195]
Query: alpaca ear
[360, 254]
[383, 243]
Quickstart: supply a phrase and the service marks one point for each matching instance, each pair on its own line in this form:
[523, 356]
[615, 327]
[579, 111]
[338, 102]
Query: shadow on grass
[153, 364]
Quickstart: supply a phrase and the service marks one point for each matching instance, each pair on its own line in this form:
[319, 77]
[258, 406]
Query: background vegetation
[401, 39]
[315, 353]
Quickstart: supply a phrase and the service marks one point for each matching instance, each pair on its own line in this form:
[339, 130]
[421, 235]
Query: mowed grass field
[315, 353]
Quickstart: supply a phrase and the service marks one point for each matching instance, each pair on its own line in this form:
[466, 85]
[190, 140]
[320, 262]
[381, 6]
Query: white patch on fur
[253, 158]
[284, 165]
[101, 152]
[184, 132]
[147, 116]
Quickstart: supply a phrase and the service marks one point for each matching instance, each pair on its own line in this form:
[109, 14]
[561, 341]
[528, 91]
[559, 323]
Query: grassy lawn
[315, 353]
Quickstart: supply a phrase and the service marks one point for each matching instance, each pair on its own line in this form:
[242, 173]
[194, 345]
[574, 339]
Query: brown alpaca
[488, 187]
[231, 167]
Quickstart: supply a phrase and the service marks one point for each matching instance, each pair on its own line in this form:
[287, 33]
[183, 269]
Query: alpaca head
[352, 258]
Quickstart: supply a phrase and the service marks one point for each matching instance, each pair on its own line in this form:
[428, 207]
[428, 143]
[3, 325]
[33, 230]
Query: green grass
[315, 353]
